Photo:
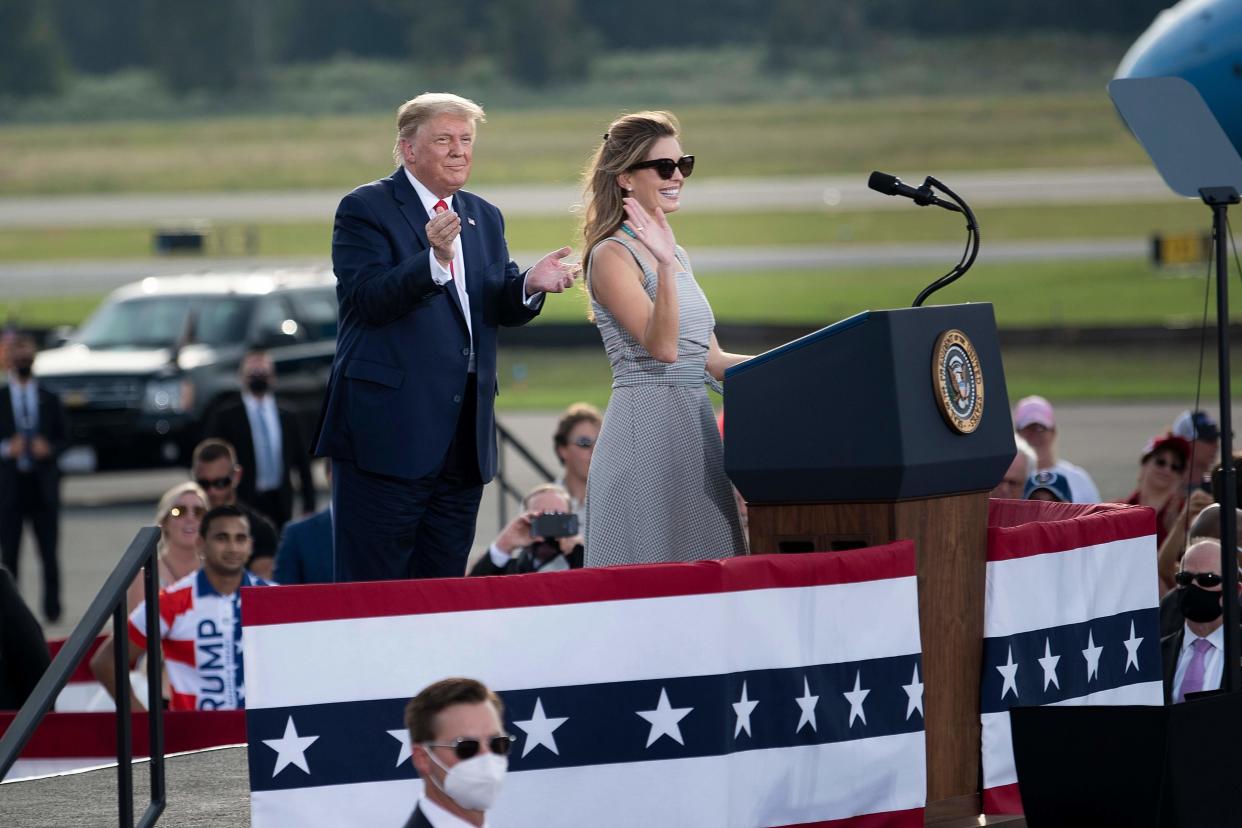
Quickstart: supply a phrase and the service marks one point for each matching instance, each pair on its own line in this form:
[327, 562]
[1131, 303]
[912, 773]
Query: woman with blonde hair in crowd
[656, 490]
[178, 514]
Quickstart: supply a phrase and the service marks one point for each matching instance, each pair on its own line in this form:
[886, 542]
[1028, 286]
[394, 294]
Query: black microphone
[922, 196]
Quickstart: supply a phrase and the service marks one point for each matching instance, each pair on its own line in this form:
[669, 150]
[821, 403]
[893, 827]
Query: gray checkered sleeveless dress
[657, 489]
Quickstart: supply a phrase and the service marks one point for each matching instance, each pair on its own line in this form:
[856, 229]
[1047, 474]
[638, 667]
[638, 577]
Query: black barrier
[110, 601]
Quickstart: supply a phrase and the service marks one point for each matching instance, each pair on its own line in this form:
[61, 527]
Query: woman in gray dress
[657, 489]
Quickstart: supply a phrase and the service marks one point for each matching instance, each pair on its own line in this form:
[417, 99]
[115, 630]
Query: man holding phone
[545, 537]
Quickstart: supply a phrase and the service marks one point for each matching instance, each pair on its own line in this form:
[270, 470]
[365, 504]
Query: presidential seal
[957, 381]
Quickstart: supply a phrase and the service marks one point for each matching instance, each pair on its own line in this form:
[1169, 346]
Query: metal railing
[141, 555]
[504, 438]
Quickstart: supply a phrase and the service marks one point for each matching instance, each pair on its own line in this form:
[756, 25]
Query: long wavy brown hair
[626, 143]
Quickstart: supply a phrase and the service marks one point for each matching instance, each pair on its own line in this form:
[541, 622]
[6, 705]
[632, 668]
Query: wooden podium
[888, 425]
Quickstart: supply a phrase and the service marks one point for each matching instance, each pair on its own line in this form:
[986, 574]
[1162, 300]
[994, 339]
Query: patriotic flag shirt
[202, 634]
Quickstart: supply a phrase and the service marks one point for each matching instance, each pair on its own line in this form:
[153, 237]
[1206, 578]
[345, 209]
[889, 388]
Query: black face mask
[258, 383]
[1199, 604]
[23, 368]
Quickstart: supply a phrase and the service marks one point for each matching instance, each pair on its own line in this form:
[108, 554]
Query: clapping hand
[652, 231]
[552, 274]
[442, 231]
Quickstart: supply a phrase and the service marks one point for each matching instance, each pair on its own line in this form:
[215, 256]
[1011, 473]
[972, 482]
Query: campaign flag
[1071, 617]
[775, 690]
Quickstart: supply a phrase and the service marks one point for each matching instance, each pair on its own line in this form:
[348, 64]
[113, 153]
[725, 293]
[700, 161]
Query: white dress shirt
[440, 818]
[441, 274]
[265, 420]
[1213, 659]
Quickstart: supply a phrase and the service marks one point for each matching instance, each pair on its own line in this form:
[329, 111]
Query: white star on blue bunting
[743, 708]
[807, 704]
[539, 729]
[664, 720]
[1010, 672]
[856, 698]
[290, 748]
[1132, 645]
[1049, 665]
[914, 693]
[402, 736]
[1092, 655]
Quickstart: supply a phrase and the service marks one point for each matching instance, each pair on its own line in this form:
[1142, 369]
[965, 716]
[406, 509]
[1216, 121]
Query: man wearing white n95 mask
[460, 750]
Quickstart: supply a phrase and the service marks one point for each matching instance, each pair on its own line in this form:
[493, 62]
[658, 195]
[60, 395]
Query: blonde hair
[169, 498]
[626, 143]
[417, 111]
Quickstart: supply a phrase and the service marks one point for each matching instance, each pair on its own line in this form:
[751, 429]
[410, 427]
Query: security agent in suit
[268, 441]
[33, 433]
[424, 280]
[460, 749]
[1193, 656]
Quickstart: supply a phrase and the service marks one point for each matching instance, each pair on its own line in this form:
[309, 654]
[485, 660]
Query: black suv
[144, 372]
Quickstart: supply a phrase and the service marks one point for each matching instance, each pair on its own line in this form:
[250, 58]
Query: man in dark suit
[424, 279]
[305, 552]
[460, 749]
[1193, 656]
[268, 442]
[32, 436]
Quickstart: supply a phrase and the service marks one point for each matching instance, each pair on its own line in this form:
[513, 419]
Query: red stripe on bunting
[1022, 528]
[82, 735]
[912, 818]
[1003, 799]
[82, 672]
[333, 602]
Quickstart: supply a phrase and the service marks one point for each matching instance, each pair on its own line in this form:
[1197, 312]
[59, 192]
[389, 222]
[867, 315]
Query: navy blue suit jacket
[402, 351]
[305, 553]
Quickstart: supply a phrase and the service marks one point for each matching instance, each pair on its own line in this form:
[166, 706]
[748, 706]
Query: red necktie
[440, 207]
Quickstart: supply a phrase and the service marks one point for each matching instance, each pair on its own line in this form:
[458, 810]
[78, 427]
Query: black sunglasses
[216, 483]
[466, 748]
[664, 166]
[584, 442]
[1207, 580]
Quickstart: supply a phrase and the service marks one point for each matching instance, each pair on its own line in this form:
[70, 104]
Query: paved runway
[844, 192]
[77, 278]
[103, 511]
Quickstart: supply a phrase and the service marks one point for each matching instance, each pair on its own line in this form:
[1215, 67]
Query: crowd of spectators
[223, 513]
[1179, 476]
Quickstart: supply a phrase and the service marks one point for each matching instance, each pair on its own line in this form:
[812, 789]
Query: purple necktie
[1192, 682]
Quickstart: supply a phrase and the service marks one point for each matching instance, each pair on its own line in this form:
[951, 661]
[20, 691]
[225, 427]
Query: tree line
[231, 45]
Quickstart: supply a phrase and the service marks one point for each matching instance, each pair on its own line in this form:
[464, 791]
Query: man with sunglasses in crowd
[1193, 656]
[424, 281]
[214, 467]
[460, 749]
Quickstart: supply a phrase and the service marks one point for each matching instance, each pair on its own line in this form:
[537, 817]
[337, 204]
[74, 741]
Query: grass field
[694, 230]
[1025, 294]
[1076, 129]
[549, 380]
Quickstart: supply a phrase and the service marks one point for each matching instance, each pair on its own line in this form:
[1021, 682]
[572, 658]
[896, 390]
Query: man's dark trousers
[409, 528]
